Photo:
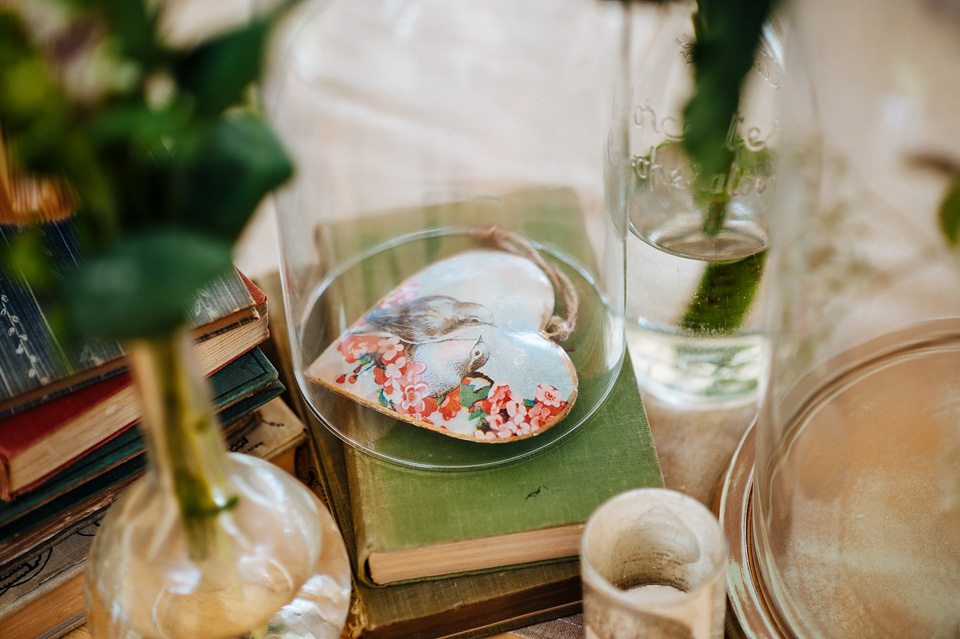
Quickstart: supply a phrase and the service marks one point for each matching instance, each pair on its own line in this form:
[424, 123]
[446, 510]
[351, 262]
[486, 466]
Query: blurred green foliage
[724, 296]
[950, 212]
[727, 34]
[161, 145]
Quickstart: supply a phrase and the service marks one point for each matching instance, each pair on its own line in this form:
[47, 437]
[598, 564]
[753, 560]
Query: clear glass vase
[417, 126]
[857, 480]
[695, 260]
[209, 544]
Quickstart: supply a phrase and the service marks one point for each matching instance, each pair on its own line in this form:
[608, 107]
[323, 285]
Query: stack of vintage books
[68, 442]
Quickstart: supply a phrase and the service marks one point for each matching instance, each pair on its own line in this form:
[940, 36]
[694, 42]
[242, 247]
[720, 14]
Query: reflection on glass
[695, 260]
[857, 489]
[414, 126]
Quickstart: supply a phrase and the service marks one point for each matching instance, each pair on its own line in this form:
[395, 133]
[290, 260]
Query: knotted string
[558, 328]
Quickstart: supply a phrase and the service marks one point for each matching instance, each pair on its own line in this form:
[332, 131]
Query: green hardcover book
[480, 603]
[414, 524]
[462, 607]
[487, 598]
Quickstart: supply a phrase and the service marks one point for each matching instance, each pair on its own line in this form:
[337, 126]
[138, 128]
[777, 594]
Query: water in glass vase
[693, 301]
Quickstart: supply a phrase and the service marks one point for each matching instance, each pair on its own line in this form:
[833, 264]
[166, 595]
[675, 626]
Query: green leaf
[133, 143]
[470, 396]
[950, 213]
[134, 125]
[142, 286]
[134, 25]
[727, 34]
[724, 295]
[238, 162]
[218, 71]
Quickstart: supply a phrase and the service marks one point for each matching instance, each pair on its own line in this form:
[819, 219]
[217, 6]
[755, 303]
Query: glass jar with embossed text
[695, 255]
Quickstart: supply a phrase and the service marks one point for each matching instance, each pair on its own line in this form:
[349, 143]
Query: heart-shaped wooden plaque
[459, 348]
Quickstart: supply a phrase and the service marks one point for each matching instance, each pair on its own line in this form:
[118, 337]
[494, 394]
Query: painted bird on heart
[431, 318]
[449, 361]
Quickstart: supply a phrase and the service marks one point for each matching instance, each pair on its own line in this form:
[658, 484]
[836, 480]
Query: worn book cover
[35, 365]
[463, 607]
[414, 524]
[40, 590]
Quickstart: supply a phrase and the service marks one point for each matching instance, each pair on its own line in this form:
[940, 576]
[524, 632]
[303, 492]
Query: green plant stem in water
[727, 34]
[724, 295]
[184, 440]
[716, 213]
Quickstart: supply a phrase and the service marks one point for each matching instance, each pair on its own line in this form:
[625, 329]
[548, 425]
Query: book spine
[361, 510]
[5, 492]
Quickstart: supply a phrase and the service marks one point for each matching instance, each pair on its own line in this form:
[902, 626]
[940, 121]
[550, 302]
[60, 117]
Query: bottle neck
[186, 455]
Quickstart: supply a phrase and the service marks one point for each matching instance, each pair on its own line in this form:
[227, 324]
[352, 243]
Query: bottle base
[697, 372]
[140, 584]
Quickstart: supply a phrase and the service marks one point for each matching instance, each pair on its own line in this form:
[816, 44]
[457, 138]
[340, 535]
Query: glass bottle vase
[209, 544]
[696, 289]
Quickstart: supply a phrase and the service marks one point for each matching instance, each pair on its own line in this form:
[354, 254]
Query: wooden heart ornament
[459, 348]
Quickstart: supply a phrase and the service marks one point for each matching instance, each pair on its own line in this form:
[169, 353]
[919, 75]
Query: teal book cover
[36, 365]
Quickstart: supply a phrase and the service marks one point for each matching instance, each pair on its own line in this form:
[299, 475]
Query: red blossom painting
[457, 351]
